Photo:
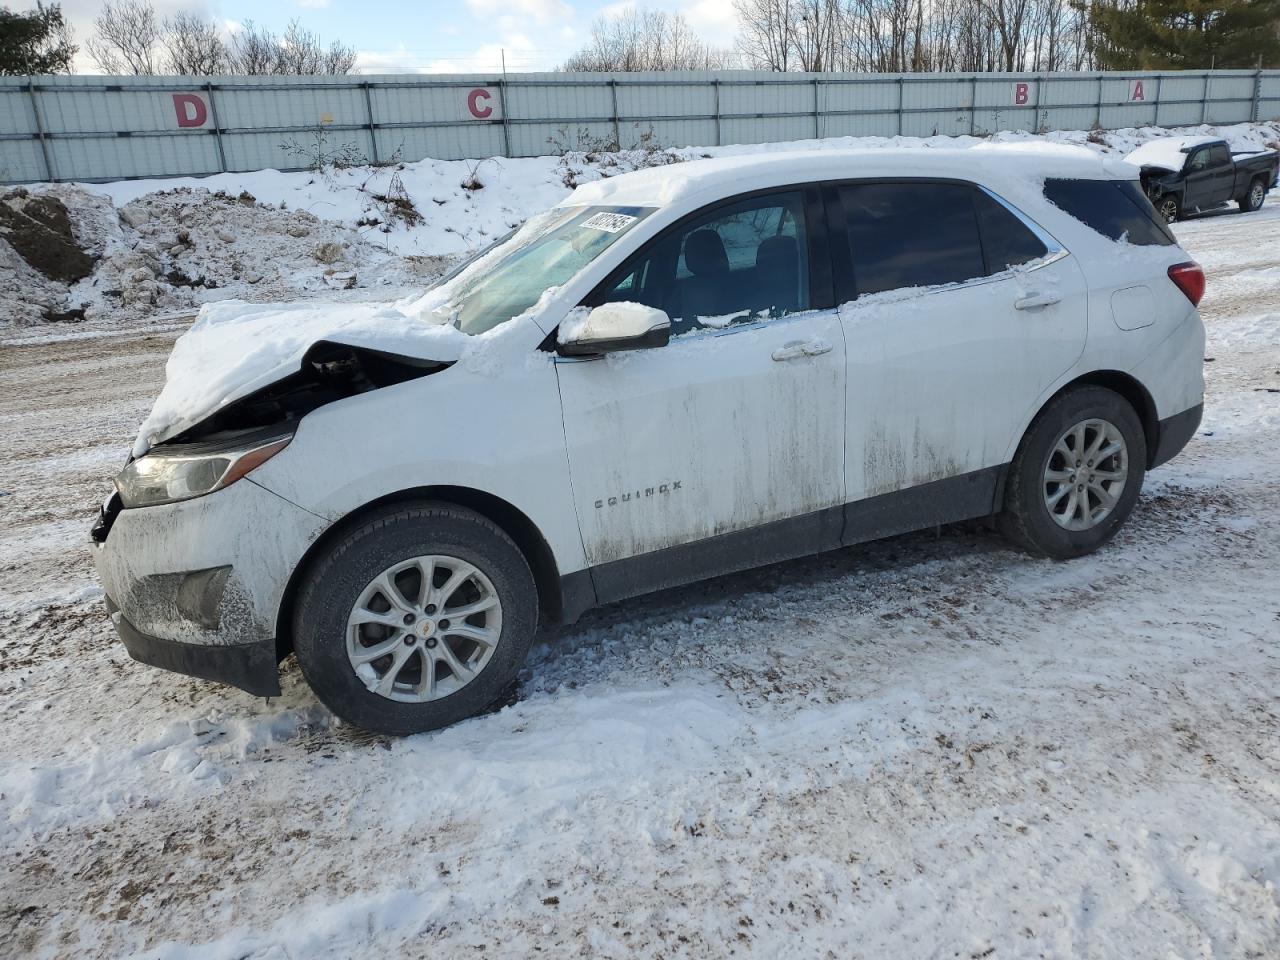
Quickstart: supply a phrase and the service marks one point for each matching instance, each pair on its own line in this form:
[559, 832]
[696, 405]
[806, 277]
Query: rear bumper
[249, 666]
[1175, 432]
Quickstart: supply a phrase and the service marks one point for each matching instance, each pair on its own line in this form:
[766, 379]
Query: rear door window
[1006, 240]
[911, 234]
[1219, 155]
[1117, 209]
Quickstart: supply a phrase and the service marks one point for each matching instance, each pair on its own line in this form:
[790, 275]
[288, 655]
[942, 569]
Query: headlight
[183, 472]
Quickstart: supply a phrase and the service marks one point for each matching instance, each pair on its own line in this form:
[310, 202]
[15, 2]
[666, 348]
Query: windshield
[521, 267]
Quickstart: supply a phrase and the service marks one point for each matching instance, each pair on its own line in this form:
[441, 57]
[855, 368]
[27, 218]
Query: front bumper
[196, 586]
[249, 666]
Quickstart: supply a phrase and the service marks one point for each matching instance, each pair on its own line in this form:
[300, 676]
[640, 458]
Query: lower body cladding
[196, 586]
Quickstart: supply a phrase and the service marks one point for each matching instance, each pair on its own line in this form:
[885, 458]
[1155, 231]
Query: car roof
[992, 165]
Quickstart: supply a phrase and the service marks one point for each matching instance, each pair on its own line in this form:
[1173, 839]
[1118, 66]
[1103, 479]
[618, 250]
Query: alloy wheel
[1256, 195]
[1085, 474]
[1169, 209]
[424, 628]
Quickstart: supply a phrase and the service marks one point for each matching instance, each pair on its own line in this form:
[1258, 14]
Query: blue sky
[395, 36]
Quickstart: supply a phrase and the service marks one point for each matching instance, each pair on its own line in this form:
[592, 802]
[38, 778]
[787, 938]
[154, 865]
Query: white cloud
[313, 4]
[541, 11]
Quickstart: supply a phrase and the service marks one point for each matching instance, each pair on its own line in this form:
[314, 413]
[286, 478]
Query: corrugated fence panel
[101, 128]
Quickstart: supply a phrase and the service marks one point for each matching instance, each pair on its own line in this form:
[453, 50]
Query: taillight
[1190, 280]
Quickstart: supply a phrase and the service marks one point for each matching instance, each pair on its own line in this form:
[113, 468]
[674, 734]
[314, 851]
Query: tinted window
[1198, 159]
[1114, 208]
[1006, 241]
[1219, 155]
[911, 234]
[740, 262]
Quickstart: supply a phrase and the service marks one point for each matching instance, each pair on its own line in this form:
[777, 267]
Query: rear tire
[1254, 197]
[1085, 452]
[388, 583]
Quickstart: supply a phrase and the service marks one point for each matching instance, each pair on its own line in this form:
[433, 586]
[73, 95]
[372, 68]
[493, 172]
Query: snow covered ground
[926, 747]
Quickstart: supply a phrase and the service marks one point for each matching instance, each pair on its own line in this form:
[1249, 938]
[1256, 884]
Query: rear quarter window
[1117, 209]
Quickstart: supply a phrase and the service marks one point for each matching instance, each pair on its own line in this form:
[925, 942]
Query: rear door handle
[794, 349]
[1034, 301]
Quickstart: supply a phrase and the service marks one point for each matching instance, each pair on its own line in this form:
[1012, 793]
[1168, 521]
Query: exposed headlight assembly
[181, 472]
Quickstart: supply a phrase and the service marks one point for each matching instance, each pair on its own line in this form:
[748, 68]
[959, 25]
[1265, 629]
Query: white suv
[674, 374]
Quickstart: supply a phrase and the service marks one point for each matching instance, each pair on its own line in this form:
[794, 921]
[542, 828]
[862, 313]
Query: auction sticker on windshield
[609, 222]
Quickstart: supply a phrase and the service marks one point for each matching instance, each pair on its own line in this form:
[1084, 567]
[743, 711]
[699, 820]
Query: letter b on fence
[1021, 93]
[190, 109]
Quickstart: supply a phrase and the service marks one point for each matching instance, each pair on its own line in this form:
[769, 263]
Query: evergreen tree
[1186, 34]
[35, 42]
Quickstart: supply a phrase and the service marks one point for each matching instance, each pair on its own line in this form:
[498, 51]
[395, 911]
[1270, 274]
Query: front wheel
[1254, 198]
[1076, 476]
[1169, 208]
[417, 618]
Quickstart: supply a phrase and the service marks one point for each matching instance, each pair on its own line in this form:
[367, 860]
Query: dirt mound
[39, 230]
[71, 255]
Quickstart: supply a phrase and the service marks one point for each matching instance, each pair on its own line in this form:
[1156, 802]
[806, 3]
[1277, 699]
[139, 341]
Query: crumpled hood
[236, 348]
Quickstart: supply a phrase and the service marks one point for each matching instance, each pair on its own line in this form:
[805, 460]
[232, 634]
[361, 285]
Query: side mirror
[611, 327]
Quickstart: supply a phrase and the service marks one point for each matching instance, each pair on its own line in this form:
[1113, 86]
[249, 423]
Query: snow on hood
[1166, 152]
[235, 348]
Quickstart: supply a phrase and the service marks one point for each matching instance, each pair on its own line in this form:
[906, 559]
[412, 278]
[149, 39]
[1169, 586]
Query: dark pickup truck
[1182, 175]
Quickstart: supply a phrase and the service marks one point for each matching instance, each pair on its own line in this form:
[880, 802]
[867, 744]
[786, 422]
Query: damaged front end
[243, 434]
[193, 582]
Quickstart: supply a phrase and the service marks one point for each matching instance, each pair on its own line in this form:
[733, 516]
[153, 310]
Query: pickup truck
[1185, 174]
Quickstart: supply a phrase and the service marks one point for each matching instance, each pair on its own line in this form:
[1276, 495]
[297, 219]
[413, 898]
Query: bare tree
[126, 36]
[766, 32]
[645, 40]
[257, 51]
[914, 35]
[193, 45]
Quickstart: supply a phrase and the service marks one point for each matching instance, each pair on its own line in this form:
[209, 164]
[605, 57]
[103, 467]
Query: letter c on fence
[1021, 93]
[190, 109]
[477, 103]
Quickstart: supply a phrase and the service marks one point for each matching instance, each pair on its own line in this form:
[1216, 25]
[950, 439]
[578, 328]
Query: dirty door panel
[706, 436]
[952, 348]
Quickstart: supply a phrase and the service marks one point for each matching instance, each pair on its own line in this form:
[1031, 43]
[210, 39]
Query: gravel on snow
[926, 747]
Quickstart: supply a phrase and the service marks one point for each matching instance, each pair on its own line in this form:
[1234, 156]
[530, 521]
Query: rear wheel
[1169, 208]
[1076, 476]
[416, 619]
[1253, 200]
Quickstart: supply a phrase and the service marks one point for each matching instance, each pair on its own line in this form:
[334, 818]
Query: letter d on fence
[190, 109]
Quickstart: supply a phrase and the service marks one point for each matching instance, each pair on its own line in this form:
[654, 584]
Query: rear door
[725, 448]
[958, 313]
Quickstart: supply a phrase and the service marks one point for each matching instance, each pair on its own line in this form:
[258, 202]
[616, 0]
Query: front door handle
[793, 349]
[1034, 301]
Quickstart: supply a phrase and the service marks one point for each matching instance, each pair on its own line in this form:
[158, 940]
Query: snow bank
[170, 245]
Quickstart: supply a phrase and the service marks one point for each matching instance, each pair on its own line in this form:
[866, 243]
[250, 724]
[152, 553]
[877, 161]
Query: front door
[725, 448]
[955, 332]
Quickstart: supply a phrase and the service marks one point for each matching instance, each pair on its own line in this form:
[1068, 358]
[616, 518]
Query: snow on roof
[993, 163]
[1168, 152]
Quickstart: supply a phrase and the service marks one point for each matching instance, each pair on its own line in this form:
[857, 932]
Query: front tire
[1169, 208]
[1076, 475]
[417, 618]
[1253, 200]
